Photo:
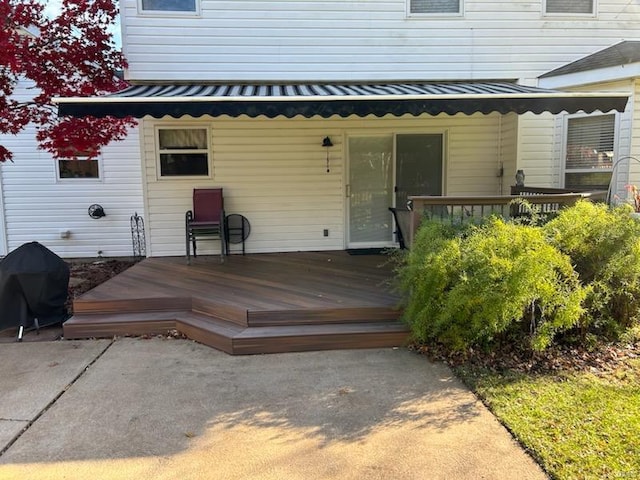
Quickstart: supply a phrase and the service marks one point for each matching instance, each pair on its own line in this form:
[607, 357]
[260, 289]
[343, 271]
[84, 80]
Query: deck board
[304, 294]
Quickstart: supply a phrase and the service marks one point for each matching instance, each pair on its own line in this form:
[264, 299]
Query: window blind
[590, 142]
[183, 139]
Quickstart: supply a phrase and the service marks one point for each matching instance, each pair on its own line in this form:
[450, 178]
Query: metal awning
[326, 100]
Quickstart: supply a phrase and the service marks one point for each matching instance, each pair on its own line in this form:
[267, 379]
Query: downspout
[500, 156]
[4, 245]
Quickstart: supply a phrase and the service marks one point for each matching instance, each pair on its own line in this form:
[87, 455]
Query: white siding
[542, 146]
[634, 128]
[314, 40]
[274, 173]
[3, 230]
[508, 152]
[37, 207]
[537, 150]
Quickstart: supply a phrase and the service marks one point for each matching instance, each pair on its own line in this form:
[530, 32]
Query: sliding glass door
[383, 171]
[370, 190]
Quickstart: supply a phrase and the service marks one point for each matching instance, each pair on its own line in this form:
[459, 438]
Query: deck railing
[465, 209]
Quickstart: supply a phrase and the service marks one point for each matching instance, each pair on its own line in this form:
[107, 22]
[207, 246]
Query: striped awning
[326, 100]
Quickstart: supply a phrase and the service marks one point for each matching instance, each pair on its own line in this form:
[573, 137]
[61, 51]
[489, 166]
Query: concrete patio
[166, 408]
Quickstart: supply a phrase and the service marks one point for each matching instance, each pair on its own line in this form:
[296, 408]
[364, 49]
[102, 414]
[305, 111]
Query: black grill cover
[34, 283]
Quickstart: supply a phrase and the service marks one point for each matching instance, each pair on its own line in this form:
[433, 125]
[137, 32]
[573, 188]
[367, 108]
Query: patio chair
[206, 220]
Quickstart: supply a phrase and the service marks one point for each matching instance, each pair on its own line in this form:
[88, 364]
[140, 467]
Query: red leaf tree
[71, 54]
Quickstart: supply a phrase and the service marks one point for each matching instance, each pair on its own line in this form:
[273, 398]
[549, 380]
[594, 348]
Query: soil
[599, 358]
[84, 275]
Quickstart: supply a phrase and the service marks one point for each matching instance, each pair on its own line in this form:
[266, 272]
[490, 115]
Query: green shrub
[604, 246]
[468, 288]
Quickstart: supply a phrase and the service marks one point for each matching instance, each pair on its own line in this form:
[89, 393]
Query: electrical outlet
[325, 232]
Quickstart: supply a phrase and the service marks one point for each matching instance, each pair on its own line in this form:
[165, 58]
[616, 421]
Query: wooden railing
[465, 209]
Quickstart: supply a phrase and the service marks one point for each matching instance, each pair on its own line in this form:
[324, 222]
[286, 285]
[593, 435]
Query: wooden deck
[264, 303]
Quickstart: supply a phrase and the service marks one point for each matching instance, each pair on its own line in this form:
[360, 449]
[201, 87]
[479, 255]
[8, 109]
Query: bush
[466, 288]
[604, 245]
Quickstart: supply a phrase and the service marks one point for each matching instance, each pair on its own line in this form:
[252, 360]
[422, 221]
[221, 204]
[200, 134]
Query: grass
[577, 425]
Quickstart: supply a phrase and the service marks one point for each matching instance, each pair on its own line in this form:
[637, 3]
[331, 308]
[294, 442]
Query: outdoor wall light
[520, 178]
[326, 142]
[96, 211]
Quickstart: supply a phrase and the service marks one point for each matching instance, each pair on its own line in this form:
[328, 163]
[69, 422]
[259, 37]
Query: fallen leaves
[601, 359]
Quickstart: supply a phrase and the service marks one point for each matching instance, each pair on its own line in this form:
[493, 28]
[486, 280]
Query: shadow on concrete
[162, 397]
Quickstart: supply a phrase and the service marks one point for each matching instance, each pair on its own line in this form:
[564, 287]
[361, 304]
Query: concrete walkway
[174, 409]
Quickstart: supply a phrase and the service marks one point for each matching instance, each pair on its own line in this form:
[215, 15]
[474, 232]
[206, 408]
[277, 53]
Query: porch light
[520, 178]
[326, 142]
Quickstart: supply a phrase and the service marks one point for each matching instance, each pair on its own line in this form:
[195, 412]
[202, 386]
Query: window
[589, 152]
[78, 166]
[169, 6]
[570, 7]
[437, 7]
[183, 151]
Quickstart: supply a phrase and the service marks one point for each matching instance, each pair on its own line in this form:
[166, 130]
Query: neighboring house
[413, 96]
[47, 201]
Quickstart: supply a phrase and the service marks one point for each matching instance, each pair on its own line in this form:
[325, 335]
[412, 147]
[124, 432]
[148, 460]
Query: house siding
[536, 154]
[310, 40]
[37, 207]
[542, 146]
[508, 152]
[274, 173]
[634, 129]
[3, 229]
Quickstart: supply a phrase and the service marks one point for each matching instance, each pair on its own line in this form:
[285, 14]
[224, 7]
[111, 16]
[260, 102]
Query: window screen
[79, 167]
[183, 152]
[169, 5]
[570, 6]
[434, 6]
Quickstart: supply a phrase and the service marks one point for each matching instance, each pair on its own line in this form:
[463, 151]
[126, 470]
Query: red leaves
[72, 54]
[85, 134]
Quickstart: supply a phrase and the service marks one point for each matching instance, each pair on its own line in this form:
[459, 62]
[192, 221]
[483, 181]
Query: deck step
[111, 324]
[214, 332]
[313, 316]
[232, 338]
[334, 336]
[226, 312]
[131, 305]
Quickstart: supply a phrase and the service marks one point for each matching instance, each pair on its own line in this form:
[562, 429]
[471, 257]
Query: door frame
[393, 132]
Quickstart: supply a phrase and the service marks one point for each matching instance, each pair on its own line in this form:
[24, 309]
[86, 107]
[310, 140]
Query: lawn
[579, 425]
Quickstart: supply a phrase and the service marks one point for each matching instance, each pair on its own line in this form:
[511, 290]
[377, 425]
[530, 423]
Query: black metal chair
[206, 220]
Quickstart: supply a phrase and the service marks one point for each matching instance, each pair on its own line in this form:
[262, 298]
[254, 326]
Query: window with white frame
[183, 152]
[590, 147]
[570, 7]
[188, 6]
[435, 7]
[78, 166]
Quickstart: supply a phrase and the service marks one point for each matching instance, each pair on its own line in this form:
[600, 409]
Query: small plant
[604, 246]
[471, 288]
